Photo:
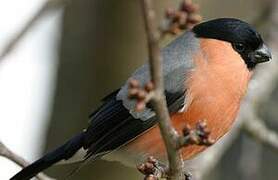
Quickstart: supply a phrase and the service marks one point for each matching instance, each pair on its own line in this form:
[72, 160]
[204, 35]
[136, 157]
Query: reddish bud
[151, 177]
[152, 160]
[132, 93]
[133, 83]
[170, 13]
[141, 168]
[140, 106]
[149, 87]
[194, 18]
[141, 95]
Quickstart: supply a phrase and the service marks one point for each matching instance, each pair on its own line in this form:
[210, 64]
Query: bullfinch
[206, 72]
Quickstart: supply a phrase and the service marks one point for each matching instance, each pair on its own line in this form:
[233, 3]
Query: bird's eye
[239, 47]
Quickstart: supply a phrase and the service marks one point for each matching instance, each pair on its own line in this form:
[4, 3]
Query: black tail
[65, 151]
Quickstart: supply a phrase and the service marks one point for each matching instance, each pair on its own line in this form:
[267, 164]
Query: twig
[250, 162]
[168, 133]
[6, 152]
[46, 7]
[257, 129]
[179, 20]
[199, 135]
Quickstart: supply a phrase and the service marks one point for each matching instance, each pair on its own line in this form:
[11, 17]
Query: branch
[183, 18]
[45, 8]
[7, 153]
[168, 133]
[257, 129]
[250, 162]
[200, 135]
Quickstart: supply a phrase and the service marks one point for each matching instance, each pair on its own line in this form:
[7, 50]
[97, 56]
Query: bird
[206, 71]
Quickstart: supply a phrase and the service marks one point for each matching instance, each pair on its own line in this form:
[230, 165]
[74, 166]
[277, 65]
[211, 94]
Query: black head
[244, 38]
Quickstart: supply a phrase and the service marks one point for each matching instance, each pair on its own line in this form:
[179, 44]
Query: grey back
[177, 61]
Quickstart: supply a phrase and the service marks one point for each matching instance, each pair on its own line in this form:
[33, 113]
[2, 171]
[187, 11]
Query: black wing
[115, 122]
[112, 125]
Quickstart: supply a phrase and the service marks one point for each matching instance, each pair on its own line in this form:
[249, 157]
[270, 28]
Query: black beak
[261, 55]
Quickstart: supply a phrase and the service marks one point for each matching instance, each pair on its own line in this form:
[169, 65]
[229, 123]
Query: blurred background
[74, 56]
